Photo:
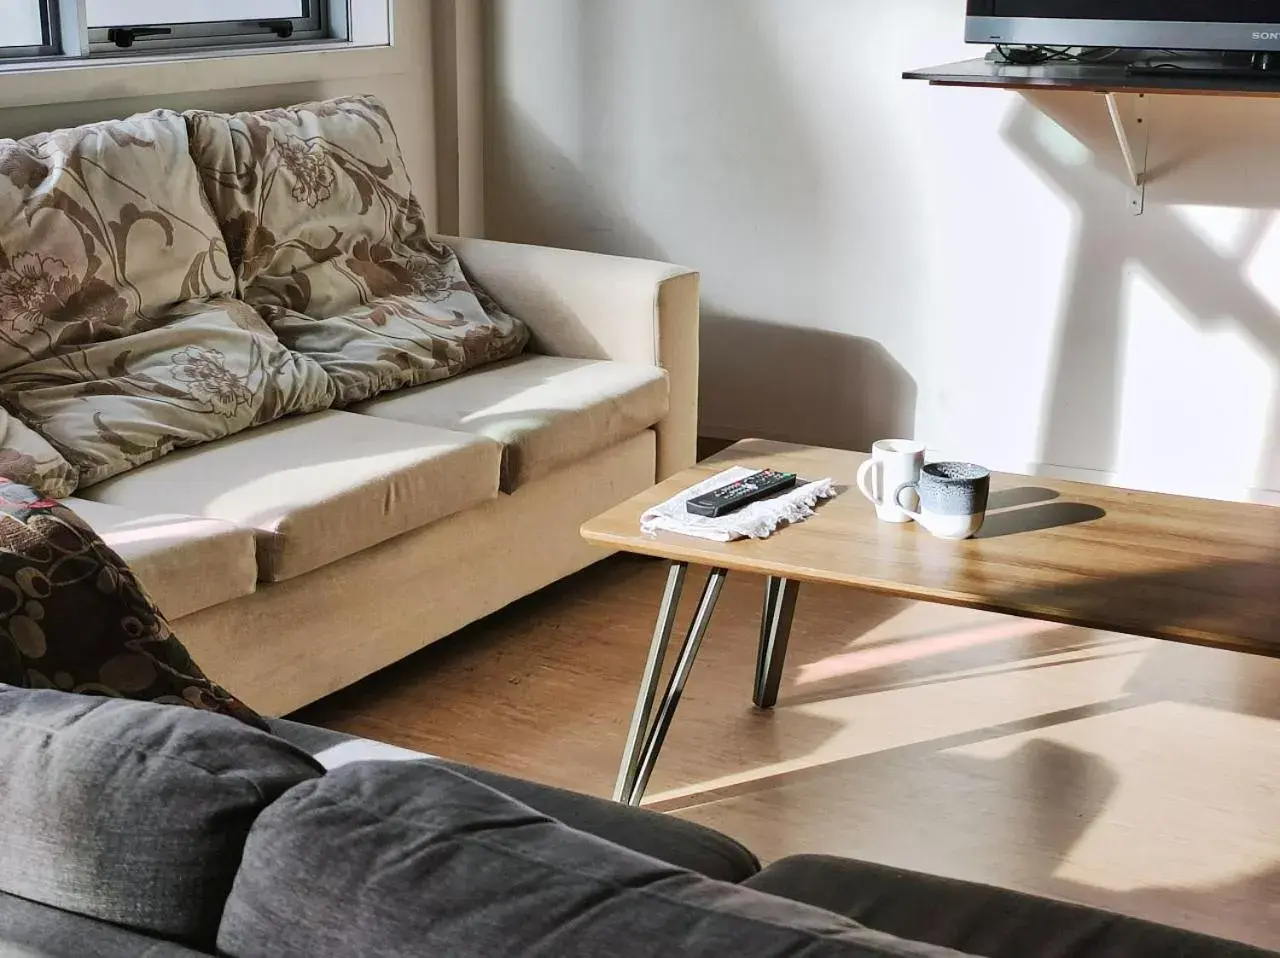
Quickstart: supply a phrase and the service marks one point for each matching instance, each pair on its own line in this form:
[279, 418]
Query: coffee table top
[1168, 567]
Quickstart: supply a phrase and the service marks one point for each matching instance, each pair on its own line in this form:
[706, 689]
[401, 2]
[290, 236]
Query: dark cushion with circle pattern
[74, 617]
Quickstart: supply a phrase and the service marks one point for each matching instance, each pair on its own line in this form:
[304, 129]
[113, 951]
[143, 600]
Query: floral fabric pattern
[212, 370]
[329, 245]
[33, 289]
[74, 617]
[207, 373]
[27, 458]
[120, 339]
[313, 176]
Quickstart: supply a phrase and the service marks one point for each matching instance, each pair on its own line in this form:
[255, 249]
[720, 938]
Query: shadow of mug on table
[1045, 515]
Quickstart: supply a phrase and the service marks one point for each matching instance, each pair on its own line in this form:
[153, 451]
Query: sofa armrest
[592, 306]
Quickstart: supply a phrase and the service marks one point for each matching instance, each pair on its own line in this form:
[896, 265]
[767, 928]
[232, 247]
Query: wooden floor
[1130, 773]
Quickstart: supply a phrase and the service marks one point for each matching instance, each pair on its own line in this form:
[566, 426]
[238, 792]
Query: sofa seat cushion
[131, 812]
[546, 411]
[416, 858]
[318, 488]
[186, 563]
[120, 338]
[329, 244]
[979, 919]
[673, 840]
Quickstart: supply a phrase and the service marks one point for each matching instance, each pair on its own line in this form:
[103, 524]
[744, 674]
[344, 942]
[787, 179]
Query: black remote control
[735, 495]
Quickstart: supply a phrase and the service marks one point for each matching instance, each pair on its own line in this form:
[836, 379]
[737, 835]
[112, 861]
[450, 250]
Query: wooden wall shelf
[1111, 80]
[1093, 78]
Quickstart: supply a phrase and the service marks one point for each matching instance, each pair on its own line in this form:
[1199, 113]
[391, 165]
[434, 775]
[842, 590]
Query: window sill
[107, 78]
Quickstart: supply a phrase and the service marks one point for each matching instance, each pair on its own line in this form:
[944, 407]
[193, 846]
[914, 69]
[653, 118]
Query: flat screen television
[1139, 24]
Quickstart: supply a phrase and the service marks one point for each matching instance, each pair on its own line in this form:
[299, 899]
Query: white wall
[880, 256]
[400, 76]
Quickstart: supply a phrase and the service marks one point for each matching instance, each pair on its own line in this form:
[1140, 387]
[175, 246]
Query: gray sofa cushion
[672, 840]
[29, 930]
[132, 812]
[979, 919]
[414, 858]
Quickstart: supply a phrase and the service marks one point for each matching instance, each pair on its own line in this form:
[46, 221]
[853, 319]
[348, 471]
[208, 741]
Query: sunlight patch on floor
[992, 701]
[910, 650]
[1206, 829]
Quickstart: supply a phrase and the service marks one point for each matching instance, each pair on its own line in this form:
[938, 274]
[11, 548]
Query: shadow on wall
[568, 172]
[1210, 284]
[801, 385]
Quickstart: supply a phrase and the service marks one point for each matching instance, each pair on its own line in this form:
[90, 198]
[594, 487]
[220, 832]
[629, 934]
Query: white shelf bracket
[1134, 151]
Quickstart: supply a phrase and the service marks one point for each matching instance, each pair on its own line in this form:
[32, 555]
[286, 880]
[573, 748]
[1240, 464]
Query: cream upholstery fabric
[591, 306]
[546, 411]
[293, 642]
[186, 563]
[319, 488]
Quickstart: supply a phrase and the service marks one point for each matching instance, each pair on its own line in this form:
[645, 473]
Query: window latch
[281, 28]
[123, 37]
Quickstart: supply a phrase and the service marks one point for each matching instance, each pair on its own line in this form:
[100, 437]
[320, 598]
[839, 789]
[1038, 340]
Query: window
[28, 30]
[113, 28]
[141, 25]
[115, 13]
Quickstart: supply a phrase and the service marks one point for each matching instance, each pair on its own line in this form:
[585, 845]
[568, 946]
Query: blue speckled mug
[953, 498]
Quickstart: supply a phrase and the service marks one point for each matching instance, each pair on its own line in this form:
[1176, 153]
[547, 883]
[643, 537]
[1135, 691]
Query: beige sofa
[297, 556]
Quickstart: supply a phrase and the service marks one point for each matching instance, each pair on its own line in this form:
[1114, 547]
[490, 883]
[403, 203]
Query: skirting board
[711, 437]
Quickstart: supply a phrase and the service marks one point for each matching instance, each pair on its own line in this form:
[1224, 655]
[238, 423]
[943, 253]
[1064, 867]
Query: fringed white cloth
[759, 520]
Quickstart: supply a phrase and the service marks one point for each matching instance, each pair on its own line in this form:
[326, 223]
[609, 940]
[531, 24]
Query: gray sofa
[131, 829]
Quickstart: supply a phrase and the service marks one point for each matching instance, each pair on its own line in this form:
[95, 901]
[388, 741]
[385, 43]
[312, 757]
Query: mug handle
[897, 498]
[868, 488]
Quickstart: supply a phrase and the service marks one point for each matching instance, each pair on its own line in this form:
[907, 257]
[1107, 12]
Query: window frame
[51, 47]
[315, 25]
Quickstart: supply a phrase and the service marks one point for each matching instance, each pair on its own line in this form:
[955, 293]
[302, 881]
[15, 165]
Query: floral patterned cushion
[74, 617]
[120, 339]
[328, 243]
[27, 458]
[211, 370]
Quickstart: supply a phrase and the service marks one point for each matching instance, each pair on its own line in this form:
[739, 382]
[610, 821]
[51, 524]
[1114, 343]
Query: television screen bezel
[983, 27]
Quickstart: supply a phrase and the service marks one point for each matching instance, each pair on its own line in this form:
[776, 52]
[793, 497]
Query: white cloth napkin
[756, 521]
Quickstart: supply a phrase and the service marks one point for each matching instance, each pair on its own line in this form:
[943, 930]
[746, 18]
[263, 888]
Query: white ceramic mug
[893, 464]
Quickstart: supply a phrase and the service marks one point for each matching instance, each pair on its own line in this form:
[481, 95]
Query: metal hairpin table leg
[775, 632]
[649, 683]
[644, 741]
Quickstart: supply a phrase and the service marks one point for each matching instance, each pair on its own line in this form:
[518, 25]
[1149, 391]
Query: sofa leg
[775, 632]
[645, 738]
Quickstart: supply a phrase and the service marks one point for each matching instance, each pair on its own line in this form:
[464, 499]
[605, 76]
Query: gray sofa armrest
[979, 919]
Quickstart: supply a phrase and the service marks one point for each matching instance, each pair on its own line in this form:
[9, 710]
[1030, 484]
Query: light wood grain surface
[1170, 567]
[1128, 773]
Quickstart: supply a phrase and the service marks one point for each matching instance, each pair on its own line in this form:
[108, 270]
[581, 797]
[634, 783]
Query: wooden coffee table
[1167, 567]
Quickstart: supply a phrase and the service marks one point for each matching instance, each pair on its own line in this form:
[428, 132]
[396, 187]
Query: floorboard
[1134, 774]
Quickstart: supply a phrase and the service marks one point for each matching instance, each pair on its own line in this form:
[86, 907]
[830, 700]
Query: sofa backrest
[132, 813]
